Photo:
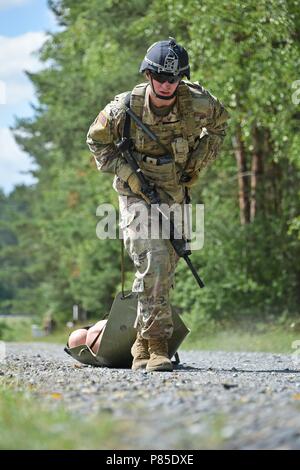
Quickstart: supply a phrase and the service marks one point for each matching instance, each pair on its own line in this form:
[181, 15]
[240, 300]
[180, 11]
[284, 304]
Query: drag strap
[122, 268]
[123, 285]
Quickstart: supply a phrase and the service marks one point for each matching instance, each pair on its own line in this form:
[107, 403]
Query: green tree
[247, 54]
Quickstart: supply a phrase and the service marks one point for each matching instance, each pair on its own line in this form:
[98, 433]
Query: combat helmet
[166, 60]
[167, 57]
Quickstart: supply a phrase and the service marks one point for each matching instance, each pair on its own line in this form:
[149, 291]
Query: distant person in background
[49, 324]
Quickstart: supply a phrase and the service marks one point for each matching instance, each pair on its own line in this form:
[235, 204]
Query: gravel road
[212, 399]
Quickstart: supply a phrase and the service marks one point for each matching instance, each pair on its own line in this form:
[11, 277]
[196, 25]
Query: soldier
[49, 324]
[190, 123]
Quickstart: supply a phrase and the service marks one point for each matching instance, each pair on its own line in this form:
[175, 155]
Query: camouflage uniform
[193, 132]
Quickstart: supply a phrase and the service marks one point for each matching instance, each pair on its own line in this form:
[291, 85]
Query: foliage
[247, 54]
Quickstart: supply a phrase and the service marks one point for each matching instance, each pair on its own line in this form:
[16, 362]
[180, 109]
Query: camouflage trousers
[155, 261]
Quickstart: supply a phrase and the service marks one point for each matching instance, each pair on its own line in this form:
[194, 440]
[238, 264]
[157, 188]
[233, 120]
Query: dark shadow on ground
[186, 368]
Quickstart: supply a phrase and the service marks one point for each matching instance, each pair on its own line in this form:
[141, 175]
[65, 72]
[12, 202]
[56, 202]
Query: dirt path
[212, 400]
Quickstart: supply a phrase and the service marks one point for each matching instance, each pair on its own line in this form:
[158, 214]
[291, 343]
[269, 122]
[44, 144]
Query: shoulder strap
[127, 122]
[186, 108]
[137, 99]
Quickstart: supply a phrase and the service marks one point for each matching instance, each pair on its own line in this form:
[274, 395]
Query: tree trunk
[257, 169]
[273, 181]
[243, 177]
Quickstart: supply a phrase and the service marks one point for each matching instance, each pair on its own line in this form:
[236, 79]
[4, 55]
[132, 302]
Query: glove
[193, 181]
[135, 186]
[134, 183]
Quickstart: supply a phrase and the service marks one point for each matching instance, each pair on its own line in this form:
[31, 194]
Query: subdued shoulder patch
[100, 130]
[102, 118]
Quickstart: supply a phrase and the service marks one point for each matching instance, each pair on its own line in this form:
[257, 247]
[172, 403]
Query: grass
[27, 423]
[20, 330]
[274, 339]
[258, 337]
[13, 328]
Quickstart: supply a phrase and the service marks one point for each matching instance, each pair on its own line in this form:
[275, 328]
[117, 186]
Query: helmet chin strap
[161, 97]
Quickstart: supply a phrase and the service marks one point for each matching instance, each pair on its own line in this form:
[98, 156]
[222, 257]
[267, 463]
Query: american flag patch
[102, 119]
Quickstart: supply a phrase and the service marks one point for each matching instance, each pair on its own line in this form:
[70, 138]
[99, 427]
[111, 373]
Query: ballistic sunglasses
[163, 77]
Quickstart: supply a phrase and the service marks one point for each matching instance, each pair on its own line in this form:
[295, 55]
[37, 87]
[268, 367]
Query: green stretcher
[119, 335]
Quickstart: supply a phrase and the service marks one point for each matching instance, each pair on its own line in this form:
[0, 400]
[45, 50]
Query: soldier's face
[165, 88]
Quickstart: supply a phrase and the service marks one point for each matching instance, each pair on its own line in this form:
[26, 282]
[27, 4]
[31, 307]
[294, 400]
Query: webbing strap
[127, 122]
[123, 272]
[122, 268]
[123, 286]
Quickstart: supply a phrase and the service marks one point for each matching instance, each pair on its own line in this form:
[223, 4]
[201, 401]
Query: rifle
[179, 244]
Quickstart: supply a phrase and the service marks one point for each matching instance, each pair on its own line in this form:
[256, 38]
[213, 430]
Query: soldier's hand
[134, 183]
[193, 181]
[135, 186]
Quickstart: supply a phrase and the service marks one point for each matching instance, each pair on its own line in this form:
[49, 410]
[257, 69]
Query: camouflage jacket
[193, 132]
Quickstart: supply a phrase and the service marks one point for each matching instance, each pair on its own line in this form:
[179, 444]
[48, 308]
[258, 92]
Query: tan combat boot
[140, 353]
[159, 357]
